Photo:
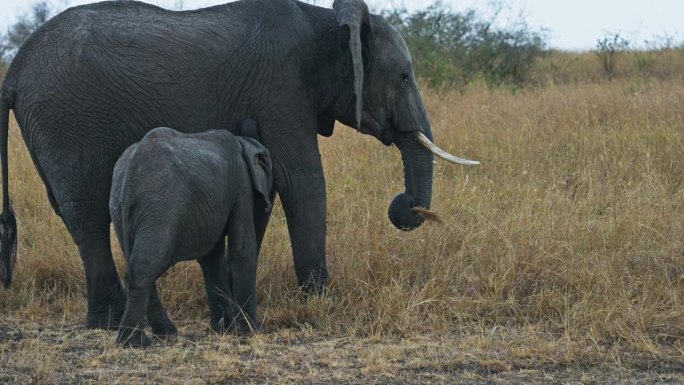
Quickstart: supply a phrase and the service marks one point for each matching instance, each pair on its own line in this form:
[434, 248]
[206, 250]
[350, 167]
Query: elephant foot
[244, 328]
[239, 327]
[132, 338]
[220, 326]
[313, 288]
[165, 330]
[315, 284]
[106, 317]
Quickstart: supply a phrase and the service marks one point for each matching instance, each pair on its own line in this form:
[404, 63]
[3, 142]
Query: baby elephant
[175, 197]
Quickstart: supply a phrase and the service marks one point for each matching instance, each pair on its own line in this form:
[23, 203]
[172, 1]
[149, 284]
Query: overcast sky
[571, 24]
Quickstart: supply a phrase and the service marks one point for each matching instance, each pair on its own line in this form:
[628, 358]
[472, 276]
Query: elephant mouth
[373, 126]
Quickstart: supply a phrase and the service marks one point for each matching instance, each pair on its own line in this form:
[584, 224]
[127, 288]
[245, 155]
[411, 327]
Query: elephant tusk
[423, 140]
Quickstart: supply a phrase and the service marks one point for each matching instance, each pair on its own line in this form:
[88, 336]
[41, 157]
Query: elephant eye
[405, 77]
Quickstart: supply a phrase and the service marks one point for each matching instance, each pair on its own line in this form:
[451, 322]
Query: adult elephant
[96, 78]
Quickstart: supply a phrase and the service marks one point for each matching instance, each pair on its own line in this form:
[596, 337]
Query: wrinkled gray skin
[95, 78]
[175, 197]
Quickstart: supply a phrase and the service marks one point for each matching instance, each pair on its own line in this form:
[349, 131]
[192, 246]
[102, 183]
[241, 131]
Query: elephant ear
[248, 127]
[354, 14]
[258, 161]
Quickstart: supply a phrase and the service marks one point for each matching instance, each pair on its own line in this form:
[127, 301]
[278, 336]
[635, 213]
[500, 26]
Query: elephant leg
[88, 223]
[303, 200]
[300, 183]
[131, 331]
[242, 259]
[158, 318]
[217, 284]
[261, 219]
[142, 273]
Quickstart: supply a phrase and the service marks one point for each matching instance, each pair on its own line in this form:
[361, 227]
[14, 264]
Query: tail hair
[8, 245]
[8, 223]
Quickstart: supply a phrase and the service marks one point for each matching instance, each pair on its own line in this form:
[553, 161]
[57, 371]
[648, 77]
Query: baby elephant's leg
[133, 321]
[142, 272]
[242, 258]
[219, 295]
[158, 319]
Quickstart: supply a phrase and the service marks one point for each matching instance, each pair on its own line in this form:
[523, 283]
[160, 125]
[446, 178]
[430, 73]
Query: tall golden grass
[573, 227]
[582, 67]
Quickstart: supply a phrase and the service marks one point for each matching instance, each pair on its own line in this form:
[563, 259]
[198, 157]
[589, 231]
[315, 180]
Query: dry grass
[635, 66]
[561, 258]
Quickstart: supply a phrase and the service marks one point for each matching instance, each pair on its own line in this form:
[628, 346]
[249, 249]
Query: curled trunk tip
[401, 213]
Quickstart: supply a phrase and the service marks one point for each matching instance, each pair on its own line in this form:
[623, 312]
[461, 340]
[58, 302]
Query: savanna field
[559, 260]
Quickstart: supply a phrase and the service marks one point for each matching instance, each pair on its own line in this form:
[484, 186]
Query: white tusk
[422, 139]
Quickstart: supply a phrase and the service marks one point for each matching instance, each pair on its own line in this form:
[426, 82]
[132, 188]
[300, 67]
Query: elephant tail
[8, 223]
[127, 233]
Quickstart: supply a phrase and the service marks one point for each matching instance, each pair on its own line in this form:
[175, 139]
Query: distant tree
[645, 59]
[455, 48]
[608, 49]
[12, 39]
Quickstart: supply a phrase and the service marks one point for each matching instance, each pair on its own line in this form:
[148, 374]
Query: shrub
[455, 48]
[607, 50]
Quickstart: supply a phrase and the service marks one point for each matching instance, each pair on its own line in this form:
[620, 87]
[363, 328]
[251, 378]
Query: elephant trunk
[416, 153]
[418, 163]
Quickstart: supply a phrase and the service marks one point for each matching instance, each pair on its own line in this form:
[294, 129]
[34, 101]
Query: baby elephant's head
[258, 161]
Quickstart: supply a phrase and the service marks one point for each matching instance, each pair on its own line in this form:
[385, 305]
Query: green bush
[452, 48]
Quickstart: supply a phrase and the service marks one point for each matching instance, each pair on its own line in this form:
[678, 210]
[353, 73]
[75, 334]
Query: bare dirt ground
[62, 351]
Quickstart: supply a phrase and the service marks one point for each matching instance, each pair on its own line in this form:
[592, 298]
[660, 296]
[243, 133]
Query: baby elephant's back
[168, 158]
[188, 179]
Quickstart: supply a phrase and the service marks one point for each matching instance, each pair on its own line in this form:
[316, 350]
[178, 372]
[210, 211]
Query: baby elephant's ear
[258, 161]
[248, 127]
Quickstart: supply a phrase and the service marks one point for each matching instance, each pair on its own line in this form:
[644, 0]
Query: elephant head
[388, 106]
